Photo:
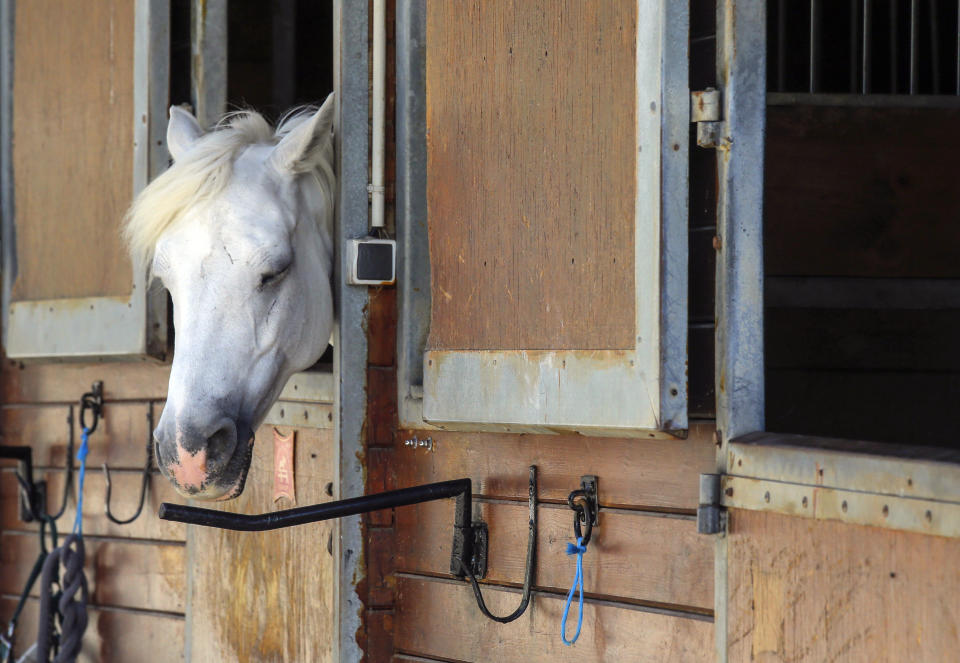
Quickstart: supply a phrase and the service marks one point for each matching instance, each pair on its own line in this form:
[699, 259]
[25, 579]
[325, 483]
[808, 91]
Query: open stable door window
[556, 200]
[84, 101]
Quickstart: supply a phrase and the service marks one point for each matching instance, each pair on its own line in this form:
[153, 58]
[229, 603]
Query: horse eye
[273, 277]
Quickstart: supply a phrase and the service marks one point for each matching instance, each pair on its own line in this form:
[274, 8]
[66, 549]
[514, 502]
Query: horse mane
[204, 171]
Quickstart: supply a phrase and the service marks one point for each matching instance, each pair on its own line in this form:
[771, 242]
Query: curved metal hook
[144, 482]
[93, 401]
[531, 565]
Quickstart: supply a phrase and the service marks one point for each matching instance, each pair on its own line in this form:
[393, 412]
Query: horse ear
[307, 144]
[183, 130]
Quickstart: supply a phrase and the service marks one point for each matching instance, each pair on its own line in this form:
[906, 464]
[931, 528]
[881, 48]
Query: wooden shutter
[557, 200]
[86, 88]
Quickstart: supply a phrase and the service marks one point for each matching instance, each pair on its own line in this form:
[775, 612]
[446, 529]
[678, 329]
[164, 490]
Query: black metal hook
[531, 565]
[144, 481]
[93, 401]
[584, 511]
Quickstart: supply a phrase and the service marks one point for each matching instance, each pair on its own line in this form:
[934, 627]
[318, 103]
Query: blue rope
[82, 457]
[577, 550]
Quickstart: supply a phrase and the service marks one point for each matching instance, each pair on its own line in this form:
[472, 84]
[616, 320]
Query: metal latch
[705, 108]
[711, 516]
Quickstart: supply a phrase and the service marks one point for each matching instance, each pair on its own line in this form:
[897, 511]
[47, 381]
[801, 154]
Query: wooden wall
[649, 575]
[810, 591]
[136, 572]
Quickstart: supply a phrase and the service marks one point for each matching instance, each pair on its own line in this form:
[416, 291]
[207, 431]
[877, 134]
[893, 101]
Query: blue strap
[82, 457]
[577, 550]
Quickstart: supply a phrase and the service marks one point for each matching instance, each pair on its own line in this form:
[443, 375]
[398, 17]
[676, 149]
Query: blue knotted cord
[574, 549]
[82, 457]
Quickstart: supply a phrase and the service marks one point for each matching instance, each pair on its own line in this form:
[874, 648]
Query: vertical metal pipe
[893, 47]
[782, 46]
[957, 87]
[854, 15]
[914, 45]
[814, 46]
[866, 47]
[934, 47]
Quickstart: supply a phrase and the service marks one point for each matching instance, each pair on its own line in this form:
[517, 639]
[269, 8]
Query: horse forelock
[203, 173]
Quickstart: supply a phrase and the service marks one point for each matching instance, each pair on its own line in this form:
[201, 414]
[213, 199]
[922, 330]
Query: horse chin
[217, 490]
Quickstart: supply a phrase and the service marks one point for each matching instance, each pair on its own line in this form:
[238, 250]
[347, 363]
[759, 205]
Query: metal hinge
[705, 108]
[711, 516]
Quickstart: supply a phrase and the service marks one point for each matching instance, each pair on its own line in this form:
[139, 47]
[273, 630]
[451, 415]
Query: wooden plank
[654, 474]
[267, 596]
[119, 573]
[66, 383]
[804, 590]
[860, 192]
[126, 493]
[879, 406]
[119, 440]
[441, 619]
[635, 557]
[73, 149]
[113, 635]
[528, 112]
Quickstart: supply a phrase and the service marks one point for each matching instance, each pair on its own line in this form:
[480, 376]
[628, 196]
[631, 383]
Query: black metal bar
[459, 488]
[24, 455]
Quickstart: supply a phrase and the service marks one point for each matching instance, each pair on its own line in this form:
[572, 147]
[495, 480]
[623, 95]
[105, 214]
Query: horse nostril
[221, 444]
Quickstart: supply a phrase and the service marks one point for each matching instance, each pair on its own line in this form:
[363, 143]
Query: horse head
[239, 230]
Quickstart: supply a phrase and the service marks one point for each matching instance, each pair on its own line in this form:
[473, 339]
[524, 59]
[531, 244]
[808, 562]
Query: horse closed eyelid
[273, 277]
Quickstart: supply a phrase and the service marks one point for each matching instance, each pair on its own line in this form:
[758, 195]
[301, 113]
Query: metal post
[351, 74]
[914, 44]
[854, 15]
[893, 48]
[208, 61]
[814, 46]
[741, 73]
[867, 44]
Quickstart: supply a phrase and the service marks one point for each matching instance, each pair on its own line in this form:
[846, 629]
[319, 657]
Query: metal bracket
[711, 516]
[590, 486]
[705, 112]
[478, 556]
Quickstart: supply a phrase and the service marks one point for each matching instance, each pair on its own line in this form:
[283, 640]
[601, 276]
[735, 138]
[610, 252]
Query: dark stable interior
[861, 229]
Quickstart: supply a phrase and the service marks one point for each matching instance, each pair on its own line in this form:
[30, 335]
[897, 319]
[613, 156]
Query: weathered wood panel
[65, 383]
[635, 557]
[119, 440]
[114, 635]
[72, 147]
[267, 596]
[128, 574]
[126, 492]
[803, 590]
[656, 474]
[441, 619]
[860, 192]
[531, 174]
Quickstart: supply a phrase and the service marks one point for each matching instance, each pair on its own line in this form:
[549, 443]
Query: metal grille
[864, 47]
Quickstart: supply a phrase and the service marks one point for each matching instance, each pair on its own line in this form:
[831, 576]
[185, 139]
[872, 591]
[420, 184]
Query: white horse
[239, 230]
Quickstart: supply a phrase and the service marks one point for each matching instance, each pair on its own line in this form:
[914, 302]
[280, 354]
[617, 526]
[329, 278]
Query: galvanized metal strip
[8, 238]
[741, 73]
[350, 340]
[674, 209]
[297, 414]
[310, 386]
[865, 467]
[208, 60]
[941, 518]
[413, 259]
